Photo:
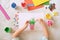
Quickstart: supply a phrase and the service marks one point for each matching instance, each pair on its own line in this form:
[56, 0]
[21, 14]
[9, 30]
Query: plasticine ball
[50, 23]
[48, 16]
[23, 4]
[13, 5]
[55, 13]
[7, 29]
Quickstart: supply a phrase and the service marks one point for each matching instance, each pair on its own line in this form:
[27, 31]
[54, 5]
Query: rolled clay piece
[17, 33]
[44, 27]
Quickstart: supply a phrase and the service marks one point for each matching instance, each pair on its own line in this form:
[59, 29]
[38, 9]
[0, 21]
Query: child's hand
[20, 30]
[42, 22]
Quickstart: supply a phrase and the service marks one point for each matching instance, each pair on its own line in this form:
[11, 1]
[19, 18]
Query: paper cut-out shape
[4, 12]
[39, 2]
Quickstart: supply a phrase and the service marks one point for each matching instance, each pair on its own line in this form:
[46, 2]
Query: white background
[27, 35]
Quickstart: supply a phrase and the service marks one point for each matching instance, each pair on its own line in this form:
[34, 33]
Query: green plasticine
[32, 21]
[7, 29]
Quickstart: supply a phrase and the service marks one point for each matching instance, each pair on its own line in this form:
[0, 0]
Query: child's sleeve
[16, 38]
[44, 38]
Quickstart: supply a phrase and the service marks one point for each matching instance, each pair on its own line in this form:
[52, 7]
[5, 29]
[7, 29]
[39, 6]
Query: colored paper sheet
[32, 7]
[46, 3]
[39, 2]
[28, 1]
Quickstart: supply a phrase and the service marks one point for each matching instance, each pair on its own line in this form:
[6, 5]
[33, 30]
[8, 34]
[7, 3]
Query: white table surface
[27, 35]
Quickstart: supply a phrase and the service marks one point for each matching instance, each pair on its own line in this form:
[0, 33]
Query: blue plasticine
[13, 5]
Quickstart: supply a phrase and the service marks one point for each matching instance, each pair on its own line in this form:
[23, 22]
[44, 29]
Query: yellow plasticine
[55, 13]
[39, 2]
[48, 16]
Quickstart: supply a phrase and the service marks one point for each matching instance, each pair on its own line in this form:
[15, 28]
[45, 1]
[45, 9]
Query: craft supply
[29, 5]
[32, 7]
[46, 3]
[32, 23]
[50, 23]
[23, 4]
[4, 12]
[17, 32]
[28, 2]
[39, 2]
[52, 7]
[55, 13]
[48, 16]
[13, 5]
[8, 29]
[32, 26]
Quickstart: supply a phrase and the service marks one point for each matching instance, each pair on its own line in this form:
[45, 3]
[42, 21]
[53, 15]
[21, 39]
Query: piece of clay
[55, 13]
[52, 7]
[48, 16]
[32, 23]
[50, 23]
